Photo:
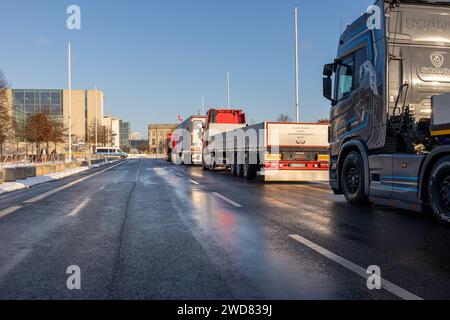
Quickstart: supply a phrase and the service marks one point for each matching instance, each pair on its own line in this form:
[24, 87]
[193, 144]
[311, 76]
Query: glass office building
[27, 103]
[124, 135]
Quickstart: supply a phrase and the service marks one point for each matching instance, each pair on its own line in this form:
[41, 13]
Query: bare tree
[38, 129]
[284, 118]
[5, 117]
[58, 133]
[104, 135]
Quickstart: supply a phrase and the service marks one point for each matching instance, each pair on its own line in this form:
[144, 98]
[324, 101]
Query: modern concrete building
[135, 136]
[157, 135]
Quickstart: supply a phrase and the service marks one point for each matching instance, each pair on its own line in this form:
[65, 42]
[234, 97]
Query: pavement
[147, 229]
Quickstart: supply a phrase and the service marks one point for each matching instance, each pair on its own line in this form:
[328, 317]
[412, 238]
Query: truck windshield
[197, 133]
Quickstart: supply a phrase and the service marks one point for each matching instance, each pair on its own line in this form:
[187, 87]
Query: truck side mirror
[327, 89]
[328, 70]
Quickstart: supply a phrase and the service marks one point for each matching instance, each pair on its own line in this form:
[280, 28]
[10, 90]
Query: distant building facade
[135, 136]
[113, 123]
[157, 137]
[137, 145]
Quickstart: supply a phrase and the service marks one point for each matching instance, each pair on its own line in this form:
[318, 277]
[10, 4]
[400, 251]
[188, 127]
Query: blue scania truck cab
[389, 88]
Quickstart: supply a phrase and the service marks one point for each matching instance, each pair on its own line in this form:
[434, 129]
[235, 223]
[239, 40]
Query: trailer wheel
[234, 166]
[250, 170]
[213, 165]
[439, 189]
[353, 179]
[240, 170]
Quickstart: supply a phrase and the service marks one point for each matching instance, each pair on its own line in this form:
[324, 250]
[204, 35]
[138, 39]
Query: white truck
[277, 151]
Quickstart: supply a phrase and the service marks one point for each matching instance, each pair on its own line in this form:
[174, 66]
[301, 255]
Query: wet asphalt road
[147, 229]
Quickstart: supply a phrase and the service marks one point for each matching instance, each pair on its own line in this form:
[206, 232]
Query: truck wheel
[250, 170]
[234, 167]
[439, 189]
[353, 179]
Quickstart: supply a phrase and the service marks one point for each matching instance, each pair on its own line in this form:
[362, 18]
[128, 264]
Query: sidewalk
[30, 182]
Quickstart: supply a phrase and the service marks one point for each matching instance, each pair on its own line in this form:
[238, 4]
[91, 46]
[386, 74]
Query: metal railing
[13, 160]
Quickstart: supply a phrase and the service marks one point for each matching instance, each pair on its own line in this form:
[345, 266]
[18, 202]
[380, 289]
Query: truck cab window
[345, 77]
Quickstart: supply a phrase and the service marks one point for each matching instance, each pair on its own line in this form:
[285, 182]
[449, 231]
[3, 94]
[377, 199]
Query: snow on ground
[30, 182]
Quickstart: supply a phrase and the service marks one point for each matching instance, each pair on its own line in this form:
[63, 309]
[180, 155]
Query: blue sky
[155, 59]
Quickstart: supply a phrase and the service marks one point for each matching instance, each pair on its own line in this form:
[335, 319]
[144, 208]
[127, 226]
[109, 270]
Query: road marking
[49, 193]
[179, 174]
[78, 208]
[237, 205]
[194, 182]
[7, 211]
[388, 286]
[101, 188]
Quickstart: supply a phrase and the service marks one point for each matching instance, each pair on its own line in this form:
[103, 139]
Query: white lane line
[237, 205]
[388, 286]
[78, 208]
[49, 193]
[194, 182]
[101, 188]
[7, 211]
[179, 174]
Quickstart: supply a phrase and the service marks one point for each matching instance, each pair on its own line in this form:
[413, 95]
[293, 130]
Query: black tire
[353, 179]
[439, 189]
[250, 170]
[234, 167]
[212, 167]
[204, 165]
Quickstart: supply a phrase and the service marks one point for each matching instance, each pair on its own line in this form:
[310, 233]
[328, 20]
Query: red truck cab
[219, 121]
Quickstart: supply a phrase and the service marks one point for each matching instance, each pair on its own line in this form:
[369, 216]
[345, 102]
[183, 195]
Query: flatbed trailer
[275, 151]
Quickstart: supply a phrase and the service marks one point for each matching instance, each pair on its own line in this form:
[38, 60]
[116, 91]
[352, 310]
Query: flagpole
[70, 100]
[228, 91]
[297, 81]
[203, 105]
[96, 119]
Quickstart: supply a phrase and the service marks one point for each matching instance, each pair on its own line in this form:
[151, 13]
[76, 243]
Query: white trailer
[277, 151]
[189, 139]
